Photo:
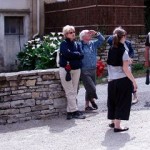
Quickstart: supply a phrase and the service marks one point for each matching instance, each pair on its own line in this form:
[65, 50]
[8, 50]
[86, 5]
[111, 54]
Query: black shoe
[94, 105]
[120, 130]
[111, 125]
[77, 115]
[69, 115]
[80, 112]
[88, 108]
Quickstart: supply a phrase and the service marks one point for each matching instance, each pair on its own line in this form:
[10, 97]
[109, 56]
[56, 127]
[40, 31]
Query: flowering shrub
[40, 53]
[100, 68]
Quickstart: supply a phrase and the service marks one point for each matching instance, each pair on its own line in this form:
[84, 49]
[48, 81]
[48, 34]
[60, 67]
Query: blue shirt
[89, 50]
[128, 44]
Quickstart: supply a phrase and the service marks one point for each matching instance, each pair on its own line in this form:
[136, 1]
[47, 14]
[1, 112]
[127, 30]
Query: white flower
[38, 39]
[29, 42]
[38, 45]
[53, 33]
[52, 45]
[45, 37]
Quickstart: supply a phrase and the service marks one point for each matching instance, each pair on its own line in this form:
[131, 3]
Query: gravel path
[89, 134]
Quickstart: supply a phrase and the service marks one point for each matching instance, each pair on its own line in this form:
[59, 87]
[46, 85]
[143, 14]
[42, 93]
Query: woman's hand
[130, 61]
[135, 86]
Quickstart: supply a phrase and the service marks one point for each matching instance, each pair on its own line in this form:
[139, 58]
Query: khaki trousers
[70, 88]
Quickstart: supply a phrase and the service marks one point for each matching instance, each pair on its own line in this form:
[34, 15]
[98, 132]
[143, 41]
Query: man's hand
[92, 32]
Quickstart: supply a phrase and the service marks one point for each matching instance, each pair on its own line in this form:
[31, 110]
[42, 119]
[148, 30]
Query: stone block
[22, 87]
[24, 119]
[7, 98]
[47, 102]
[31, 114]
[30, 83]
[12, 77]
[22, 83]
[25, 110]
[13, 83]
[5, 93]
[44, 95]
[13, 120]
[44, 82]
[60, 103]
[3, 122]
[5, 105]
[58, 94]
[57, 76]
[18, 104]
[44, 112]
[7, 89]
[39, 107]
[35, 94]
[18, 92]
[21, 96]
[11, 111]
[30, 102]
[48, 77]
[4, 84]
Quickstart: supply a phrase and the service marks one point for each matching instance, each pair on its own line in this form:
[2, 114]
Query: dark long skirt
[88, 78]
[119, 98]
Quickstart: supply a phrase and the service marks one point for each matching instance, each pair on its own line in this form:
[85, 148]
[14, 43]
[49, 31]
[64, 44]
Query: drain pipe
[38, 19]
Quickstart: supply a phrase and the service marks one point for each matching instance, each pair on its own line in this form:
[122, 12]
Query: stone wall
[138, 44]
[30, 95]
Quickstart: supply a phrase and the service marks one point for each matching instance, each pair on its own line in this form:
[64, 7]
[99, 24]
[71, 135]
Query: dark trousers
[119, 98]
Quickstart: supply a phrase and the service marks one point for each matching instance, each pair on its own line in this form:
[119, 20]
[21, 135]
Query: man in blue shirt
[88, 70]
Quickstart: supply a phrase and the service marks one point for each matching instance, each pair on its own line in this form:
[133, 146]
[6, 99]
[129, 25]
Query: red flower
[100, 68]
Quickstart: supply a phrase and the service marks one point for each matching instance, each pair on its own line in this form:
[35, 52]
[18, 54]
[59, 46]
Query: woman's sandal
[120, 130]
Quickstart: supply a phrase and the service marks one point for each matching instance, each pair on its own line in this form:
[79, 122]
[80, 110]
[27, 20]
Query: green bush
[40, 53]
[137, 67]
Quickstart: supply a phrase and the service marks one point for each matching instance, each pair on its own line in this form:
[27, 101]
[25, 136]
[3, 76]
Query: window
[13, 25]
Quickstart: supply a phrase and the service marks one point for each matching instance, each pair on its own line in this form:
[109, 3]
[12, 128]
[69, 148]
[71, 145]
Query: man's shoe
[94, 105]
[77, 115]
[69, 115]
[88, 108]
[120, 130]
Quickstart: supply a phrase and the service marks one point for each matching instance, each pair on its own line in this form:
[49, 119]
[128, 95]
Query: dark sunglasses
[71, 32]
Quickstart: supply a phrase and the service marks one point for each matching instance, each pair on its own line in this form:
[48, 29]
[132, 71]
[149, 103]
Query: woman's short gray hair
[83, 33]
[67, 28]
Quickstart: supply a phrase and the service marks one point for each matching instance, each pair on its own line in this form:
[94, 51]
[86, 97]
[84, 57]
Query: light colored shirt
[116, 72]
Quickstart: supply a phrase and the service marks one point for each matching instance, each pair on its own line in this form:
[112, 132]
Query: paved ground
[89, 134]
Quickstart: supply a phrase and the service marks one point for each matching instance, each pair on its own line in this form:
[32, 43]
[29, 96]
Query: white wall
[15, 4]
[9, 44]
